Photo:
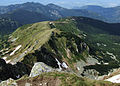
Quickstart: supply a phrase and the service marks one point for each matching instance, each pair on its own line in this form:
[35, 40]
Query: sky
[66, 3]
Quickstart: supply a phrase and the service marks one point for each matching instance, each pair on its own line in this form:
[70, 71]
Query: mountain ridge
[49, 9]
[31, 12]
[73, 46]
[110, 13]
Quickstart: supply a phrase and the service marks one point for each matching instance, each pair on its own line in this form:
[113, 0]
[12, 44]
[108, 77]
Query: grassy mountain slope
[4, 42]
[96, 26]
[102, 44]
[62, 79]
[38, 39]
[62, 39]
[42, 42]
[7, 26]
[71, 41]
[101, 35]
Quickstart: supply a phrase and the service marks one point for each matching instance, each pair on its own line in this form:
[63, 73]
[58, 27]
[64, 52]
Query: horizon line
[58, 5]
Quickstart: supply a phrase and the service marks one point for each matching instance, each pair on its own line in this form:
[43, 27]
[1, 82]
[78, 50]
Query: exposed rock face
[40, 67]
[81, 64]
[92, 74]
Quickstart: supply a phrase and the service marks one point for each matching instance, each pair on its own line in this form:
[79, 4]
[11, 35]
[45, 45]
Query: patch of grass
[68, 79]
[32, 37]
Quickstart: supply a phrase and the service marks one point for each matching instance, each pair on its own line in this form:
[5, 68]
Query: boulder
[39, 68]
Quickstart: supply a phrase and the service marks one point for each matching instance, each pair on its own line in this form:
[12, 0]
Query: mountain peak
[33, 3]
[51, 5]
[91, 6]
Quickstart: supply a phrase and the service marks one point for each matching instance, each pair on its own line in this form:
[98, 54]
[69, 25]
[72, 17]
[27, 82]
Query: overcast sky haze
[66, 3]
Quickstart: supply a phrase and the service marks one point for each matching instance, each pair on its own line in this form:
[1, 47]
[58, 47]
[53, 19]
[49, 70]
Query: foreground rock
[56, 79]
[39, 68]
[9, 82]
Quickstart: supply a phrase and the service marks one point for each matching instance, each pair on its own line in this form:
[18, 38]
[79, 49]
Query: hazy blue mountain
[75, 12]
[25, 17]
[32, 7]
[111, 14]
[97, 26]
[31, 12]
[92, 8]
[51, 10]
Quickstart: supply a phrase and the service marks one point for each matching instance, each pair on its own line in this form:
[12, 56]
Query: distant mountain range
[111, 14]
[31, 12]
[25, 17]
[50, 11]
[100, 26]
[53, 12]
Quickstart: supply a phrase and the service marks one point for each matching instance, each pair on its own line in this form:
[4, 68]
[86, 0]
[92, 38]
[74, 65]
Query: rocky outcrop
[39, 68]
